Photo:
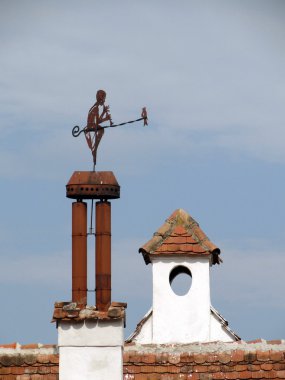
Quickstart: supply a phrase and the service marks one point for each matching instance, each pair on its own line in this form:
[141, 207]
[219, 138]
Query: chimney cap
[93, 185]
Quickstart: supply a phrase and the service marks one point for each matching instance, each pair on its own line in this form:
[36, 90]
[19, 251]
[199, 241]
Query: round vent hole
[180, 280]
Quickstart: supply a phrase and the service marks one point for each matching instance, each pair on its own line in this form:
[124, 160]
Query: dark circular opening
[180, 280]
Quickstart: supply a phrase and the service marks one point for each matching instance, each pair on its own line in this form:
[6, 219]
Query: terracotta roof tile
[179, 235]
[161, 362]
[71, 311]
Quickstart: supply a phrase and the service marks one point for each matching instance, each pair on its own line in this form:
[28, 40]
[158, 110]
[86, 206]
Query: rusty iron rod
[103, 255]
[79, 252]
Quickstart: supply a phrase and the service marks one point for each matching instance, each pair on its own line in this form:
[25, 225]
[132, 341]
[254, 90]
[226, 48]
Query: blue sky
[211, 74]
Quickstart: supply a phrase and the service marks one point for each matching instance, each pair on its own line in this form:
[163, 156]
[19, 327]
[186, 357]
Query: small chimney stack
[92, 185]
[90, 338]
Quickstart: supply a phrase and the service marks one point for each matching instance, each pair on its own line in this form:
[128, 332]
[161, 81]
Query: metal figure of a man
[98, 114]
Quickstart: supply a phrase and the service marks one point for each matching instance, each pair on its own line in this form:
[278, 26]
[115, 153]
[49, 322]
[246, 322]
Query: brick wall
[29, 362]
[256, 360]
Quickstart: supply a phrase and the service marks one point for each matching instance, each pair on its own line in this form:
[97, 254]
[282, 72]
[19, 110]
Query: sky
[211, 74]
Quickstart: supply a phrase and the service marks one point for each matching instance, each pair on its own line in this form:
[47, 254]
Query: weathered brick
[160, 369]
[186, 369]
[240, 367]
[237, 356]
[224, 358]
[250, 356]
[182, 376]
[212, 358]
[5, 370]
[30, 359]
[29, 346]
[59, 313]
[276, 355]
[37, 377]
[270, 375]
[54, 359]
[17, 370]
[227, 367]
[6, 360]
[231, 375]
[200, 368]
[214, 368]
[263, 355]
[164, 358]
[218, 375]
[206, 376]
[54, 369]
[43, 370]
[18, 360]
[126, 357]
[174, 358]
[129, 377]
[244, 375]
[148, 358]
[50, 377]
[185, 357]
[23, 377]
[43, 358]
[257, 375]
[10, 345]
[280, 374]
[147, 369]
[30, 370]
[192, 376]
[200, 358]
[133, 369]
[253, 367]
[266, 366]
[279, 366]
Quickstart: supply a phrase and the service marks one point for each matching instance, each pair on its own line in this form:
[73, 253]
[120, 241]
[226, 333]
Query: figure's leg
[98, 137]
[88, 140]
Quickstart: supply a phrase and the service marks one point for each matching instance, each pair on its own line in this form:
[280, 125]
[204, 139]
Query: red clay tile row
[238, 364]
[30, 377]
[235, 356]
[27, 346]
[195, 376]
[24, 360]
[71, 311]
[180, 234]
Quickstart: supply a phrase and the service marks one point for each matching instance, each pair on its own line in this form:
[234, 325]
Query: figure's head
[100, 97]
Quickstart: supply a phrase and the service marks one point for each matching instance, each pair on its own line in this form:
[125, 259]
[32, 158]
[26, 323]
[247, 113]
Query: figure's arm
[107, 115]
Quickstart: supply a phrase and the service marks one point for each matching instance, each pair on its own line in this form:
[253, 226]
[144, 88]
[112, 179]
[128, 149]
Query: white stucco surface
[90, 363]
[181, 319]
[91, 333]
[218, 332]
[91, 350]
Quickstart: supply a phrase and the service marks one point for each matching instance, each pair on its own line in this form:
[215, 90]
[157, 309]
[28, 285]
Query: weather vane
[98, 114]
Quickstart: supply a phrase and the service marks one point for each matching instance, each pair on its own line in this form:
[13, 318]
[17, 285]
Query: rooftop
[180, 235]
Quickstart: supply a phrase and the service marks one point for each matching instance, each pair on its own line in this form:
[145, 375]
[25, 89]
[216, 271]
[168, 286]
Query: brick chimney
[90, 338]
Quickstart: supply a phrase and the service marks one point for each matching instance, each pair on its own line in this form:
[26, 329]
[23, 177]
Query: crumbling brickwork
[238, 360]
[257, 360]
[28, 362]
